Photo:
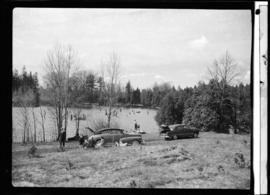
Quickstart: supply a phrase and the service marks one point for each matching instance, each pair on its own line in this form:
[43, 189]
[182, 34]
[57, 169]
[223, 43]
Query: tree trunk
[109, 115]
[35, 126]
[77, 126]
[66, 118]
[42, 114]
[60, 120]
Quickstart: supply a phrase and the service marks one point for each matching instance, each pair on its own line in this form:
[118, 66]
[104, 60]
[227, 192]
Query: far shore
[94, 105]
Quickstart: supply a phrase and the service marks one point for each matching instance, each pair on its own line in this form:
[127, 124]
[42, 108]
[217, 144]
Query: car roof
[105, 129]
[176, 125]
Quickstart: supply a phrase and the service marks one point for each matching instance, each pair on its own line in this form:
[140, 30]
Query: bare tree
[25, 101]
[35, 124]
[52, 115]
[223, 73]
[24, 123]
[113, 73]
[58, 65]
[42, 121]
[78, 87]
[77, 120]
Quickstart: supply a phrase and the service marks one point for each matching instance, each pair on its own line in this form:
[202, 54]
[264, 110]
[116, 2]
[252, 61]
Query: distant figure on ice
[135, 125]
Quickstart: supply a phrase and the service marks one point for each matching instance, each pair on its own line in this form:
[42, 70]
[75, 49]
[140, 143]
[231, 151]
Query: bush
[171, 110]
[201, 117]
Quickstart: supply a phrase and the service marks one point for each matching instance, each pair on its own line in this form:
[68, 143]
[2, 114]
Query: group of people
[114, 113]
[76, 117]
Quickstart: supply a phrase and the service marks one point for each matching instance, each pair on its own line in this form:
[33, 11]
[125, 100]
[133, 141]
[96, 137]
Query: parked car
[178, 130]
[112, 136]
[164, 129]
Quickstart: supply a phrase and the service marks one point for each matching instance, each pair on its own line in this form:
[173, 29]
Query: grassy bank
[210, 161]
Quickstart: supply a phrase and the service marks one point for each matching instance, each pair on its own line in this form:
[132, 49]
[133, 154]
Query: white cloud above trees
[199, 43]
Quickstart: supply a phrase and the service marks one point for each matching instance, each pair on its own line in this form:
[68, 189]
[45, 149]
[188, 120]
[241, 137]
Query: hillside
[210, 161]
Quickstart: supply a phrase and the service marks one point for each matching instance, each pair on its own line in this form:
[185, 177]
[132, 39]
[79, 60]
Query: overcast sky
[154, 45]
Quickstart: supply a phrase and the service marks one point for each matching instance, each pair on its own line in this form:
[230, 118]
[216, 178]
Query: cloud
[199, 43]
[157, 76]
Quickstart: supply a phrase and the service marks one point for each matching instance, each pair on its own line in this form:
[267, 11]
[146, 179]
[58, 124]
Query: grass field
[210, 161]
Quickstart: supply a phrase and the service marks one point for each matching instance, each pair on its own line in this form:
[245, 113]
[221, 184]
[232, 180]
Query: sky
[153, 45]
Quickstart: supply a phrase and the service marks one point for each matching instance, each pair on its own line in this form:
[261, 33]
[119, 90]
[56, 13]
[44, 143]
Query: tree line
[25, 85]
[216, 105]
[203, 107]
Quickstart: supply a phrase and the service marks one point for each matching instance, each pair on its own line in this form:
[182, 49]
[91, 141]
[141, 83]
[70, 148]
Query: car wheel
[99, 143]
[135, 143]
[195, 135]
[175, 137]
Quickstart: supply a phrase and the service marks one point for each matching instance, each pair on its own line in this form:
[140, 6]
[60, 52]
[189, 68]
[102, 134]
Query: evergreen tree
[128, 93]
[171, 110]
[136, 96]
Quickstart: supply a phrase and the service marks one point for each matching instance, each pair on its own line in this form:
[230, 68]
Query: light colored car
[112, 136]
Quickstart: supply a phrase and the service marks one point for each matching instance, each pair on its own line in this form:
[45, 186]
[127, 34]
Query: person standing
[62, 139]
[135, 125]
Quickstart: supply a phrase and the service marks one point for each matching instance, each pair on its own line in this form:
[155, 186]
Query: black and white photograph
[132, 98]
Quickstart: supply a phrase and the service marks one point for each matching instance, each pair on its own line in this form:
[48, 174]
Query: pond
[123, 117]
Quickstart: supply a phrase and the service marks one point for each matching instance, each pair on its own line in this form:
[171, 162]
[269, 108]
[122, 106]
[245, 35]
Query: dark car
[164, 129]
[111, 136]
[178, 130]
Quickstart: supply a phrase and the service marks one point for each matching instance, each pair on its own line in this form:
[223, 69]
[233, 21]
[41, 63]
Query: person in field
[135, 125]
[62, 139]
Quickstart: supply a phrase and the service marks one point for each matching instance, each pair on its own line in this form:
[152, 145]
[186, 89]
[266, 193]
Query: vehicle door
[186, 131]
[189, 131]
[179, 131]
[116, 135]
[106, 134]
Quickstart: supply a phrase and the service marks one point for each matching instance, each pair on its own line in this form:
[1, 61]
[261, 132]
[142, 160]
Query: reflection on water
[125, 118]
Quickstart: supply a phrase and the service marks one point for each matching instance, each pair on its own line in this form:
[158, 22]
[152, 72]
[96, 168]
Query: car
[176, 131]
[114, 136]
[164, 129]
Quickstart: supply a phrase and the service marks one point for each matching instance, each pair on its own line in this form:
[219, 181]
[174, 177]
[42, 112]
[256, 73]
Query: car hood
[89, 129]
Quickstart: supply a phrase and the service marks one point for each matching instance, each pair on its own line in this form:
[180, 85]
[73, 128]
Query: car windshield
[172, 127]
[117, 131]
